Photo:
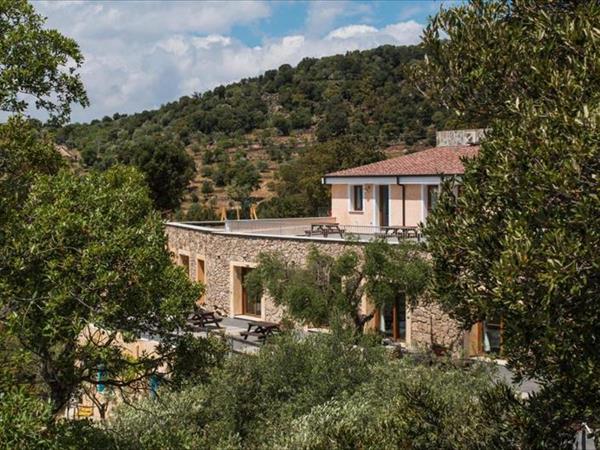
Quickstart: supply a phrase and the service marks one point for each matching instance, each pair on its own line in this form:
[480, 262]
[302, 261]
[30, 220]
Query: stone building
[388, 199]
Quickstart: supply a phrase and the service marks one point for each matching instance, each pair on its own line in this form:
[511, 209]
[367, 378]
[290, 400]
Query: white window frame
[351, 198]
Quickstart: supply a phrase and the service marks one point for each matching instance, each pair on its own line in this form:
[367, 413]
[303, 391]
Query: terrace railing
[296, 227]
[286, 226]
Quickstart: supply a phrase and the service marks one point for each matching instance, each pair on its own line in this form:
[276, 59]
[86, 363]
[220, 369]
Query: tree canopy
[37, 64]
[168, 169]
[520, 240]
[88, 263]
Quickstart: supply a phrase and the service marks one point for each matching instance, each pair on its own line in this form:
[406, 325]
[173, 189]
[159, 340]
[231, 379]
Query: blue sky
[141, 54]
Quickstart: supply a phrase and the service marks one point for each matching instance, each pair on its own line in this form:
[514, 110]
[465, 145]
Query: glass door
[486, 337]
[492, 336]
[392, 322]
[432, 196]
[384, 205]
[251, 305]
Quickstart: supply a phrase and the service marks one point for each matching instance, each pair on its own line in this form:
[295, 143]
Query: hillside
[251, 140]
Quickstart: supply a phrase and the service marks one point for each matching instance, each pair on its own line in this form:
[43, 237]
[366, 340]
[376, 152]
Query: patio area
[232, 329]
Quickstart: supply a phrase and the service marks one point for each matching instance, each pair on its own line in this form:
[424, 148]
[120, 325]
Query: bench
[256, 334]
[260, 330]
[325, 229]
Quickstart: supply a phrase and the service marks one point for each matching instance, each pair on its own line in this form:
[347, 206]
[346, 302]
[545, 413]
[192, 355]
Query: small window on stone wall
[184, 261]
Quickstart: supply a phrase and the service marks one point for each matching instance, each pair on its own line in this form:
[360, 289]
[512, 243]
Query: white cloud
[140, 55]
[211, 40]
[404, 32]
[351, 31]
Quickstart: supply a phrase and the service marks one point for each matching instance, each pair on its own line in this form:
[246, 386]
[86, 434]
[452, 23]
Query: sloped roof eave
[430, 162]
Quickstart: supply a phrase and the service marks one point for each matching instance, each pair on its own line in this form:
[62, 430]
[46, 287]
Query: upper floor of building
[399, 191]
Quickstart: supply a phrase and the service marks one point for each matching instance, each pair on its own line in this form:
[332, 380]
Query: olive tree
[325, 287]
[520, 241]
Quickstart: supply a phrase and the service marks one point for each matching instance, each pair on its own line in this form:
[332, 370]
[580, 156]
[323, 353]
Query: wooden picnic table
[202, 318]
[400, 232]
[261, 330]
[325, 228]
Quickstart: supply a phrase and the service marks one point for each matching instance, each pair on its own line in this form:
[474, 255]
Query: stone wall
[430, 326]
[459, 137]
[220, 251]
[427, 324]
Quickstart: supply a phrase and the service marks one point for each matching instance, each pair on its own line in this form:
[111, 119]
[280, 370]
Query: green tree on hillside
[245, 178]
[166, 165]
[521, 240]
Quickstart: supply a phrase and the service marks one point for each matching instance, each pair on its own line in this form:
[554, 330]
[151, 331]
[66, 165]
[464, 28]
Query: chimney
[452, 138]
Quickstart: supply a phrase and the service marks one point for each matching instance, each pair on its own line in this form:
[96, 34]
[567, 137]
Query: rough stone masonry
[221, 252]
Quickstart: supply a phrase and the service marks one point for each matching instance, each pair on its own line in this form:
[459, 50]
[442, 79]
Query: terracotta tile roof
[432, 161]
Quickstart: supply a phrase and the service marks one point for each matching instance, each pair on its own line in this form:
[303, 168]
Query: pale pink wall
[340, 205]
[413, 205]
[395, 204]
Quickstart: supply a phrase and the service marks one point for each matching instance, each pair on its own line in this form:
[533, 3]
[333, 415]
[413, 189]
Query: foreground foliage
[27, 422]
[325, 392]
[39, 65]
[521, 240]
[84, 267]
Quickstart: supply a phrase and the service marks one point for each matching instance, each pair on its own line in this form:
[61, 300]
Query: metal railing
[301, 227]
[376, 231]
[287, 226]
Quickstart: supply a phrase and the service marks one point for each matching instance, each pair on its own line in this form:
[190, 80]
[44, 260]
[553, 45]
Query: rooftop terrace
[305, 228]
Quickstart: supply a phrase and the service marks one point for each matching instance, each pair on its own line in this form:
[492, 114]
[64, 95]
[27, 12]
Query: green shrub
[328, 391]
[404, 405]
[26, 422]
[207, 187]
[249, 395]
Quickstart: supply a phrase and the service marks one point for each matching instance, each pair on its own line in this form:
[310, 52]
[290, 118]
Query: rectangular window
[184, 261]
[201, 277]
[357, 198]
[432, 196]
